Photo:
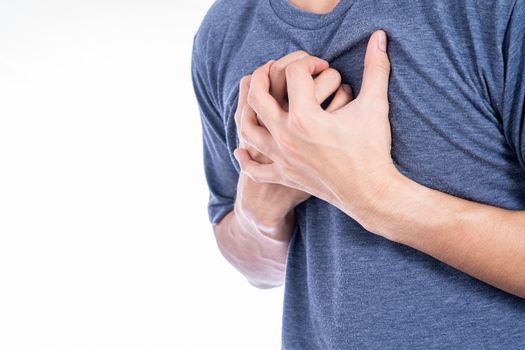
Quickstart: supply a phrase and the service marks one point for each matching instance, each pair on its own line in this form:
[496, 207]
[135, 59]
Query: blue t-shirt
[457, 112]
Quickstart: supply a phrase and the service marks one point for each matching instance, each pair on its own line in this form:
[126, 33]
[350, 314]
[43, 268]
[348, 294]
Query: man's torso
[346, 287]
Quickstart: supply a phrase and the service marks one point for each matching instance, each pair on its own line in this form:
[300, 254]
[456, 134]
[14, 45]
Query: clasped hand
[340, 154]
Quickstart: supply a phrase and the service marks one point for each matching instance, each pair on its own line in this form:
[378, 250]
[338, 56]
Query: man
[398, 216]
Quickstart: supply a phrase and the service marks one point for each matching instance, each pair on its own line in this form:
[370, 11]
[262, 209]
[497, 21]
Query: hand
[266, 207]
[329, 154]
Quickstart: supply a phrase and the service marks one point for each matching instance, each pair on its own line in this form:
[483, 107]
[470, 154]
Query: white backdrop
[104, 237]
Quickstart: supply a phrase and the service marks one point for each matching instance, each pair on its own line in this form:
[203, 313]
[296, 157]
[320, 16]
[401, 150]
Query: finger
[343, 96]
[300, 84]
[266, 107]
[326, 83]
[244, 86]
[277, 75]
[254, 135]
[377, 68]
[260, 173]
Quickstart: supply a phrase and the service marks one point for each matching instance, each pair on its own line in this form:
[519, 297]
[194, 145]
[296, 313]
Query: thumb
[377, 68]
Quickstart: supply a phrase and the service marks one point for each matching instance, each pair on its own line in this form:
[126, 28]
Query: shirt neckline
[303, 19]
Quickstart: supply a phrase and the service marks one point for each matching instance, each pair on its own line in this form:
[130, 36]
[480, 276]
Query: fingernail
[381, 40]
[347, 89]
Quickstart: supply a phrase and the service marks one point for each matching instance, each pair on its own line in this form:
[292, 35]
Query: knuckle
[237, 119]
[301, 53]
[243, 133]
[238, 115]
[277, 69]
[255, 77]
[314, 59]
[245, 80]
[256, 74]
[333, 74]
[291, 69]
[253, 98]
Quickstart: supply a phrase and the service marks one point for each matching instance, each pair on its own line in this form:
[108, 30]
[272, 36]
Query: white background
[104, 237]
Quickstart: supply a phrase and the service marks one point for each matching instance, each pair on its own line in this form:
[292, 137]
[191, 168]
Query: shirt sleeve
[513, 104]
[221, 174]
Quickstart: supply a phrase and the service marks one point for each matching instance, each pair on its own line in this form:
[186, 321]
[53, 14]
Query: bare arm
[254, 236]
[350, 153]
[258, 253]
[482, 240]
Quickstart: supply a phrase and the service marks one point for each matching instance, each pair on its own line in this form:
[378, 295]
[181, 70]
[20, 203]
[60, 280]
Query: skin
[343, 157]
[254, 236]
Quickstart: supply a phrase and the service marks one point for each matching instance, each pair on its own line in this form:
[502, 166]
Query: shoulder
[222, 25]
[217, 40]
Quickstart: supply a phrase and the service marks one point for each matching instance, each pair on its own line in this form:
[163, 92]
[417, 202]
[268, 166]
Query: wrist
[373, 203]
[277, 227]
[383, 207]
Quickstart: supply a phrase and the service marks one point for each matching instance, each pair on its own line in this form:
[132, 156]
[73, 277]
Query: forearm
[483, 241]
[259, 255]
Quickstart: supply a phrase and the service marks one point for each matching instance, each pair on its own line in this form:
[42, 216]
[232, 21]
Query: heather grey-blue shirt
[457, 97]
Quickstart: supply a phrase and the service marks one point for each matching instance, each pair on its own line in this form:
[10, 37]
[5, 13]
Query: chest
[446, 133]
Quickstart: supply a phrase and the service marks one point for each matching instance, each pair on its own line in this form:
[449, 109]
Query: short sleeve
[220, 172]
[513, 104]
